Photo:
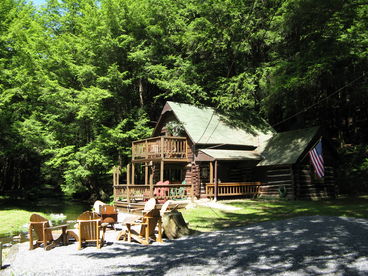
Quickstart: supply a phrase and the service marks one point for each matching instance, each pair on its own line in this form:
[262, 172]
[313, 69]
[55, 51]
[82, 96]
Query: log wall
[195, 179]
[309, 186]
[276, 178]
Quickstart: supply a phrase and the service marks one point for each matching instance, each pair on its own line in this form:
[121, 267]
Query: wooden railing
[140, 192]
[234, 189]
[165, 147]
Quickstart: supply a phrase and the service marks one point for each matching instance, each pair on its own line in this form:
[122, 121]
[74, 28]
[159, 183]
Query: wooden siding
[195, 179]
[276, 179]
[309, 186]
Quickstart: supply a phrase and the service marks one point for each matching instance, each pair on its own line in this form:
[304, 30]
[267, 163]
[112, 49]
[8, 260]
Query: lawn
[252, 211]
[15, 213]
[14, 220]
[208, 219]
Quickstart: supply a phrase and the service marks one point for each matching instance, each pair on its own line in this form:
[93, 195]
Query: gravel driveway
[300, 246]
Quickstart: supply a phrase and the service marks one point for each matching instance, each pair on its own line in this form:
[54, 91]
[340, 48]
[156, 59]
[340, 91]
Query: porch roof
[288, 147]
[206, 126]
[220, 154]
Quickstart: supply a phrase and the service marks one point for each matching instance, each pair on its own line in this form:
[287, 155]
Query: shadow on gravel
[304, 245]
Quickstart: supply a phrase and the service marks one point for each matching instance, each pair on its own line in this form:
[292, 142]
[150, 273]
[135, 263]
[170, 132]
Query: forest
[81, 79]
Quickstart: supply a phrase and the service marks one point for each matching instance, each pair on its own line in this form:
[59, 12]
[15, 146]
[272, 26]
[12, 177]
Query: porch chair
[161, 192]
[89, 229]
[41, 227]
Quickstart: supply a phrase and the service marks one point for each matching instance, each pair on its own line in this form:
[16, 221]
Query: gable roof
[286, 148]
[205, 126]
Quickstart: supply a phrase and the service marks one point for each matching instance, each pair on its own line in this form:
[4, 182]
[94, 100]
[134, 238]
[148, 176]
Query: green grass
[252, 211]
[13, 220]
[209, 219]
[15, 213]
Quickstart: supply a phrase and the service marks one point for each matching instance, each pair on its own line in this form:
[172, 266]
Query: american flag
[317, 159]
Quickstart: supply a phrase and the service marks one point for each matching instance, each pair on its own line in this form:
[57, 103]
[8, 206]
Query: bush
[352, 173]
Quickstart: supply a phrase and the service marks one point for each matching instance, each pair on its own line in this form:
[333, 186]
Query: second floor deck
[165, 148]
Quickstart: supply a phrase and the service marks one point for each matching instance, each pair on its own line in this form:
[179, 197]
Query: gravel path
[300, 246]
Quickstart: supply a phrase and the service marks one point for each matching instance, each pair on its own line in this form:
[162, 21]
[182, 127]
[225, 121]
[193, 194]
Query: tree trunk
[174, 225]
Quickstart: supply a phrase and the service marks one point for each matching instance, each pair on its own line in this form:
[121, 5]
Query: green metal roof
[220, 154]
[285, 148]
[205, 126]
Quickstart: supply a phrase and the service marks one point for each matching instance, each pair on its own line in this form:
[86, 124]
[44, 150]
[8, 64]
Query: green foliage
[175, 128]
[353, 171]
[80, 80]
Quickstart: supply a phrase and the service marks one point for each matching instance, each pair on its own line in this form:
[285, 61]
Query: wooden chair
[109, 214]
[43, 230]
[164, 208]
[161, 192]
[142, 230]
[89, 229]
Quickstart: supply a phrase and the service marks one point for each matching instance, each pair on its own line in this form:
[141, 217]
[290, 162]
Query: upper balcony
[166, 148]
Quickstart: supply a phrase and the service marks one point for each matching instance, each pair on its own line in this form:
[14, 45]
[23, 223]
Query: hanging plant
[175, 128]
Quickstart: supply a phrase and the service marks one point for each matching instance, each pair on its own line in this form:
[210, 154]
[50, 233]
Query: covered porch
[146, 180]
[227, 173]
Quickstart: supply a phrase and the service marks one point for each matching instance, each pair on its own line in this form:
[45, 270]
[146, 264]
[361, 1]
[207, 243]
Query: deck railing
[164, 147]
[140, 192]
[234, 189]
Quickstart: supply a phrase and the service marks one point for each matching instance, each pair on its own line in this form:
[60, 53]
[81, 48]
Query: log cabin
[198, 152]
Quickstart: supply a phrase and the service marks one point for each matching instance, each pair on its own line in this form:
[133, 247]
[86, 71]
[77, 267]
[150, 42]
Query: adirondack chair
[142, 229]
[89, 229]
[161, 192]
[109, 214]
[41, 227]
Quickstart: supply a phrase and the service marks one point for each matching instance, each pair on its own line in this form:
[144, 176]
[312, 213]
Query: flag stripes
[317, 159]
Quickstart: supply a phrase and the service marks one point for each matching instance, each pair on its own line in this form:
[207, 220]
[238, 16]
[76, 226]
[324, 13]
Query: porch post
[151, 180]
[128, 174]
[133, 173]
[145, 173]
[128, 183]
[116, 173]
[162, 171]
[114, 181]
[211, 172]
[216, 181]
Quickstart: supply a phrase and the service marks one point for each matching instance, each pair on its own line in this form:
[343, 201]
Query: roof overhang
[227, 155]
